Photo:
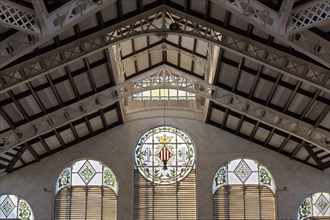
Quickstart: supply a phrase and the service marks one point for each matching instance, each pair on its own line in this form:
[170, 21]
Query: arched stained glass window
[86, 179]
[14, 207]
[243, 189]
[165, 155]
[315, 206]
[164, 178]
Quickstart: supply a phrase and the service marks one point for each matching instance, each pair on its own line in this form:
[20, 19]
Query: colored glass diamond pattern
[322, 204]
[7, 206]
[87, 172]
[243, 171]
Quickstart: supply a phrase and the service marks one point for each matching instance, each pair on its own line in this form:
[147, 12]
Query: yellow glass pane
[155, 92]
[164, 92]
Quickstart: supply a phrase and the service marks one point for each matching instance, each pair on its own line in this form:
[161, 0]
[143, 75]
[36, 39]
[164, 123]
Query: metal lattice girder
[285, 11]
[169, 78]
[52, 24]
[201, 62]
[151, 22]
[309, 15]
[19, 17]
[269, 21]
[307, 39]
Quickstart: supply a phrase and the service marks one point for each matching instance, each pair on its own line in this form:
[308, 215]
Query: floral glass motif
[109, 178]
[86, 172]
[164, 155]
[315, 205]
[322, 204]
[221, 177]
[14, 207]
[305, 209]
[64, 179]
[24, 210]
[7, 206]
[243, 171]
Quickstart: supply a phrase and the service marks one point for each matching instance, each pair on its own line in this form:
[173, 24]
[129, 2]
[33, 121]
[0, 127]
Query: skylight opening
[163, 94]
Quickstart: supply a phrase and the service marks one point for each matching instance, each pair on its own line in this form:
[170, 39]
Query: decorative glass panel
[87, 172]
[243, 171]
[164, 94]
[316, 205]
[164, 155]
[14, 207]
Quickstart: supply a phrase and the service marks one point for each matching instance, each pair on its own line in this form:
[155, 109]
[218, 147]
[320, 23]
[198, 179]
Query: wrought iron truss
[202, 62]
[38, 26]
[156, 79]
[289, 26]
[156, 21]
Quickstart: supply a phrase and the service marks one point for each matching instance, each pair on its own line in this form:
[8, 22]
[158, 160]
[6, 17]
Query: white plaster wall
[214, 148]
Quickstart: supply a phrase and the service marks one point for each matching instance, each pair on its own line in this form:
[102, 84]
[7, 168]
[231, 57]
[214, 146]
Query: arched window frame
[19, 208]
[309, 208]
[140, 154]
[72, 173]
[230, 169]
[154, 199]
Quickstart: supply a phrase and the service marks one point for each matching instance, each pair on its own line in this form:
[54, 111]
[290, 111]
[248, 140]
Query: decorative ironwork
[315, 136]
[157, 22]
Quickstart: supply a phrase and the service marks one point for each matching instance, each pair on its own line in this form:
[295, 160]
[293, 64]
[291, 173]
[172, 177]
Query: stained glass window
[14, 207]
[165, 176]
[243, 189]
[86, 189]
[164, 94]
[164, 155]
[243, 171]
[315, 206]
[87, 172]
